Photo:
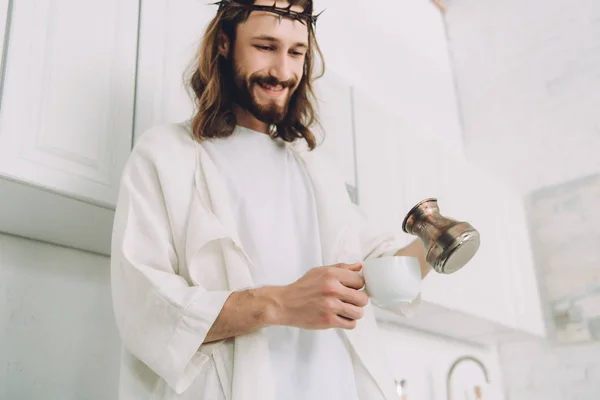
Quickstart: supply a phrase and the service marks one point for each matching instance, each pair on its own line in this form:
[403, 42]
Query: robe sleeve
[161, 318]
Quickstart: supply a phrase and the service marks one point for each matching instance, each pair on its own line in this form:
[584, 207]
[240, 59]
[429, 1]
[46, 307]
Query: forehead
[261, 23]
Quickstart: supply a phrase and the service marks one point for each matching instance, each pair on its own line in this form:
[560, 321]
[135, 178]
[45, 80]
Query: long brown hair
[211, 81]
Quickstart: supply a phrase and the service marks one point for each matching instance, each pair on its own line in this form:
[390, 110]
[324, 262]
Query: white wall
[529, 90]
[58, 339]
[543, 371]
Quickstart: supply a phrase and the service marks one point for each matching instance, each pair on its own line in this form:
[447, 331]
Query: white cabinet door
[335, 133]
[68, 93]
[527, 306]
[379, 174]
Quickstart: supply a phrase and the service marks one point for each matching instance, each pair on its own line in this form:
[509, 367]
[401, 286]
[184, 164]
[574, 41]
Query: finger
[352, 267]
[350, 279]
[351, 311]
[345, 323]
[354, 297]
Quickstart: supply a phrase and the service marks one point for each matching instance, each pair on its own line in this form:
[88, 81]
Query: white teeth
[273, 88]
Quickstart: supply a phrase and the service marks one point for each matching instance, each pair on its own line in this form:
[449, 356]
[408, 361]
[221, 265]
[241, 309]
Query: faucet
[451, 371]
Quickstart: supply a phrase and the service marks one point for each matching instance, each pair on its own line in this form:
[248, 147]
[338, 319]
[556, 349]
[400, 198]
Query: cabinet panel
[527, 304]
[334, 96]
[377, 158]
[420, 165]
[67, 105]
[486, 280]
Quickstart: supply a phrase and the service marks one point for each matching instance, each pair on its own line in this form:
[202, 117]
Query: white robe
[176, 257]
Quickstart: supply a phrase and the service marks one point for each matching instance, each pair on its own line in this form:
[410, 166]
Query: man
[236, 253]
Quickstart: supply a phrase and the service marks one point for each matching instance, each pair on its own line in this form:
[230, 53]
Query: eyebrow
[275, 40]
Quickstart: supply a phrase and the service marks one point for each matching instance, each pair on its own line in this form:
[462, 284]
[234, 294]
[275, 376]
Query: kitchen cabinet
[335, 129]
[67, 104]
[496, 294]
[68, 94]
[378, 170]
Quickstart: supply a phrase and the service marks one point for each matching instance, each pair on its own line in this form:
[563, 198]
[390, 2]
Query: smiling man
[236, 250]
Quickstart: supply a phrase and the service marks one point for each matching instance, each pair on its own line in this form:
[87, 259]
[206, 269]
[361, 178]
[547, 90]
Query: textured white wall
[58, 339]
[529, 92]
[543, 371]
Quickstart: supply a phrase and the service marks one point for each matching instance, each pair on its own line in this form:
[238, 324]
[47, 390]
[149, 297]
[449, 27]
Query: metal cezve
[450, 244]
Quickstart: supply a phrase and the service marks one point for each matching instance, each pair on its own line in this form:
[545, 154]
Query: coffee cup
[392, 281]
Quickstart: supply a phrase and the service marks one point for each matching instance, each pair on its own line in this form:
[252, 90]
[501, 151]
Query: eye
[264, 48]
[297, 54]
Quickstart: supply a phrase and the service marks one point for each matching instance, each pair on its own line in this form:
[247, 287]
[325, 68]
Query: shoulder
[165, 154]
[165, 141]
[166, 144]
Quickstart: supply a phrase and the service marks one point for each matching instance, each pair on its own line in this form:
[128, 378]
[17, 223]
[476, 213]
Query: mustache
[273, 81]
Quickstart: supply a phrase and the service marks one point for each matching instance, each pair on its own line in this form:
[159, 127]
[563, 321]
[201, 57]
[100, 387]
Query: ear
[224, 45]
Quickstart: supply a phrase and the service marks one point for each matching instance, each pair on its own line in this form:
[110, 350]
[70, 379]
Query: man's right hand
[325, 297]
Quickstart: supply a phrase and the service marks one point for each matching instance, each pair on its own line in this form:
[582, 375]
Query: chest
[241, 206]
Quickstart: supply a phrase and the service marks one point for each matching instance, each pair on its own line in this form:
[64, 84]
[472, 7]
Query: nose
[280, 68]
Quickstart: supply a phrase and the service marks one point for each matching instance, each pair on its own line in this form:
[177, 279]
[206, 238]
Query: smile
[272, 90]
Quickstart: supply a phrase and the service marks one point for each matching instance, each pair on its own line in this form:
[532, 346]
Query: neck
[247, 120]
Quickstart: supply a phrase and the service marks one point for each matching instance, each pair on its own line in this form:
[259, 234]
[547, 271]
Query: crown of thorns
[305, 17]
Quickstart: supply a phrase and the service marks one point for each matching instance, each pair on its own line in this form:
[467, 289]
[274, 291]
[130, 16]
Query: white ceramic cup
[392, 281]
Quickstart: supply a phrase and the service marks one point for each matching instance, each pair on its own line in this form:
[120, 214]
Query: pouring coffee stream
[450, 244]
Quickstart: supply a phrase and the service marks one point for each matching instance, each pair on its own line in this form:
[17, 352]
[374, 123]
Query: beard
[271, 113]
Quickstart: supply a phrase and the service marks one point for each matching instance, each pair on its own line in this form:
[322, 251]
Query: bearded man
[236, 250]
